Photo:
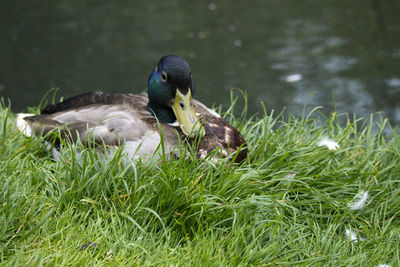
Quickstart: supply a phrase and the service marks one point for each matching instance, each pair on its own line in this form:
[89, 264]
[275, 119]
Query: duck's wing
[219, 134]
[96, 97]
[105, 118]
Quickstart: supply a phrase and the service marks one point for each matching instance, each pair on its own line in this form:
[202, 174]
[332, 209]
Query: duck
[166, 114]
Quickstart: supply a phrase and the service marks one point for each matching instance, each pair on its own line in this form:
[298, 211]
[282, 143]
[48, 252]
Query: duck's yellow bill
[186, 115]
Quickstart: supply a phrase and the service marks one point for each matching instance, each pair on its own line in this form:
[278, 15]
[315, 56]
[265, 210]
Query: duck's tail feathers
[26, 129]
[22, 125]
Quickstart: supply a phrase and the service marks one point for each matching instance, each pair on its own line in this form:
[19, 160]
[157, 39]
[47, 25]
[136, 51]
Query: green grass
[286, 205]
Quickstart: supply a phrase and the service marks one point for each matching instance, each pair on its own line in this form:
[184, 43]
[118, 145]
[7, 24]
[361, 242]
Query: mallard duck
[138, 120]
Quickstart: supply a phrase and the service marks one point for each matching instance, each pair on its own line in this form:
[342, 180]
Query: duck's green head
[170, 90]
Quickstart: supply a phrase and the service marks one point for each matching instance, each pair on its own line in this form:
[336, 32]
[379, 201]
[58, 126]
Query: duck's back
[109, 118]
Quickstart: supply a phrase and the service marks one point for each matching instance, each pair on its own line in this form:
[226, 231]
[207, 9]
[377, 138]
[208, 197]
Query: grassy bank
[291, 203]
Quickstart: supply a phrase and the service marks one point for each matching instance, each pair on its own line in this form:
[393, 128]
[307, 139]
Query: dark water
[283, 52]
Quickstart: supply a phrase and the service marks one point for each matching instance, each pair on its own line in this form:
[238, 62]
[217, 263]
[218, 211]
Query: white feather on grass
[329, 143]
[384, 265]
[352, 236]
[359, 201]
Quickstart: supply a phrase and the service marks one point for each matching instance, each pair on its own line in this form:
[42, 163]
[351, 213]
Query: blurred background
[282, 52]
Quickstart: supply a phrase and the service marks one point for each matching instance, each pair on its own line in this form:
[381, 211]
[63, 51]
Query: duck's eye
[164, 76]
[182, 105]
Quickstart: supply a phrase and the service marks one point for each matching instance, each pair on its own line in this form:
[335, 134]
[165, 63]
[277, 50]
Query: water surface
[282, 52]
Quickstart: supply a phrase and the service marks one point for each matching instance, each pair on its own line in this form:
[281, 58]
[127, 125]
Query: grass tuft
[289, 203]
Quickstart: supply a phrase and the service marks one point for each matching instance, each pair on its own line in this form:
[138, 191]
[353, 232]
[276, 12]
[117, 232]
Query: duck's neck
[163, 114]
